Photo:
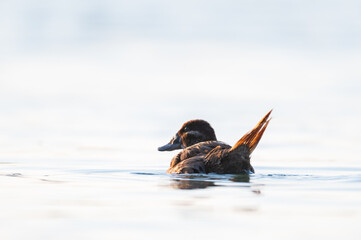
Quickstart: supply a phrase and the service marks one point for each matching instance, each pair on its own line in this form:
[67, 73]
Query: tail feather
[252, 138]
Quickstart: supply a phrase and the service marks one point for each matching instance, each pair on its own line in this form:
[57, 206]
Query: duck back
[191, 159]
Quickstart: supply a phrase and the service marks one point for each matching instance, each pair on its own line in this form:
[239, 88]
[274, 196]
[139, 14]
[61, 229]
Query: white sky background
[108, 73]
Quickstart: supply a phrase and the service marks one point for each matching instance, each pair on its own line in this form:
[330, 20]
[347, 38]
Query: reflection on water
[196, 181]
[191, 184]
[240, 178]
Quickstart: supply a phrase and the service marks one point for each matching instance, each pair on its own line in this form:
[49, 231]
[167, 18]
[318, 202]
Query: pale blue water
[90, 89]
[136, 202]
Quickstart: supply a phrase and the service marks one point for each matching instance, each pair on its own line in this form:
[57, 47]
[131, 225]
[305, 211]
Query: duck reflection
[240, 178]
[191, 184]
[202, 181]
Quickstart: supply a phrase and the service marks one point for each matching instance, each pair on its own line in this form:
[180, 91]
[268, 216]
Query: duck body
[209, 157]
[193, 158]
[203, 153]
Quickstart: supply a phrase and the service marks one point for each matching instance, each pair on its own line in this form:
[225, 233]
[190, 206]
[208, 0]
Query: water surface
[134, 202]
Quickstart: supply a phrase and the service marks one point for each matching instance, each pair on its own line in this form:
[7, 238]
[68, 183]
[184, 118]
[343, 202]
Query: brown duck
[202, 153]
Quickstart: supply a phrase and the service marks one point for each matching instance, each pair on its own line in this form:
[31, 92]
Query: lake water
[90, 89]
[105, 199]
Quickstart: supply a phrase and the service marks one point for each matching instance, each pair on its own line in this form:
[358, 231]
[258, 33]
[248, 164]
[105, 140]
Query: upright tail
[252, 138]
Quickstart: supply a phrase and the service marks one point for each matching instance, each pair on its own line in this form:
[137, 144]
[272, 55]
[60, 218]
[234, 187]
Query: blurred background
[98, 79]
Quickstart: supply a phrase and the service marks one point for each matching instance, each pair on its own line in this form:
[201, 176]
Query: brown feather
[252, 138]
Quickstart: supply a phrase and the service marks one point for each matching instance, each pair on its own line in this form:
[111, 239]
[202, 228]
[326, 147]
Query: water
[135, 202]
[90, 89]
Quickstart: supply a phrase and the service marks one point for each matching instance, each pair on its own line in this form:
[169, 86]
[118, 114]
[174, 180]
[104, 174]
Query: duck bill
[175, 143]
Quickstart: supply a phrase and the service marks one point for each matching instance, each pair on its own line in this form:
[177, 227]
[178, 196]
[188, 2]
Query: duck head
[192, 132]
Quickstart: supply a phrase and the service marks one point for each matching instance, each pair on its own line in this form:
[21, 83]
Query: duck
[202, 153]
